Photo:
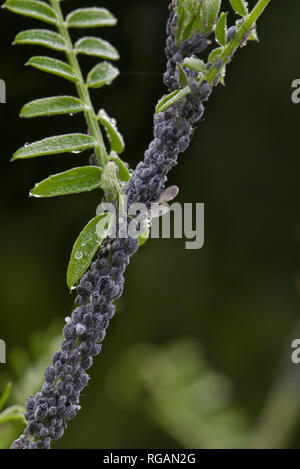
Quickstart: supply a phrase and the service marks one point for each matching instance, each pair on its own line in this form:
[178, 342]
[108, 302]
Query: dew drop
[78, 255]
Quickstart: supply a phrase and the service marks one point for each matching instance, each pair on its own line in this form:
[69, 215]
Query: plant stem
[82, 89]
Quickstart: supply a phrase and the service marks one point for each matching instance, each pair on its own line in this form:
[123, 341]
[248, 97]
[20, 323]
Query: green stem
[82, 89]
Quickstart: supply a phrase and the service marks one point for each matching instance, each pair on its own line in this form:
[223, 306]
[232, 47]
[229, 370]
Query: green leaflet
[35, 9]
[114, 136]
[215, 53]
[143, 237]
[86, 245]
[52, 106]
[195, 64]
[123, 170]
[240, 7]
[221, 29]
[171, 99]
[73, 181]
[195, 17]
[90, 18]
[14, 413]
[102, 74]
[57, 67]
[96, 47]
[54, 145]
[41, 37]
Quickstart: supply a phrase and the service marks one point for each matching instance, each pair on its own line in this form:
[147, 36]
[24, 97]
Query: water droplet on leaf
[78, 255]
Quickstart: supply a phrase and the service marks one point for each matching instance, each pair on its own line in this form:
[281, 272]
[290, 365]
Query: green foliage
[78, 179]
[26, 368]
[196, 16]
[193, 403]
[123, 168]
[114, 136]
[221, 29]
[52, 106]
[35, 9]
[42, 37]
[73, 181]
[97, 48]
[240, 7]
[90, 18]
[170, 99]
[50, 146]
[143, 237]
[189, 12]
[102, 74]
[195, 64]
[54, 66]
[86, 245]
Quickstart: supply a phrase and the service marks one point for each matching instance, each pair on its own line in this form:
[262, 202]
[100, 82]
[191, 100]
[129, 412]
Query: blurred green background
[198, 353]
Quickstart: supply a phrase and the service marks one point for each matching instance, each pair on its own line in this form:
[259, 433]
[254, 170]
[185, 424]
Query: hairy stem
[82, 89]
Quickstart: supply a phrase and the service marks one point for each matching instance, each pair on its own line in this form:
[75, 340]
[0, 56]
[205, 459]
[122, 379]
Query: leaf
[96, 47]
[195, 64]
[57, 67]
[240, 7]
[183, 79]
[13, 414]
[73, 181]
[35, 9]
[215, 53]
[5, 395]
[114, 136]
[52, 106]
[253, 35]
[221, 29]
[209, 11]
[53, 145]
[195, 17]
[90, 18]
[103, 74]
[41, 37]
[143, 237]
[171, 99]
[123, 170]
[86, 245]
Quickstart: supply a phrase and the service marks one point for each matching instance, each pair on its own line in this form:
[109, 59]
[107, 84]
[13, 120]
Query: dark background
[237, 296]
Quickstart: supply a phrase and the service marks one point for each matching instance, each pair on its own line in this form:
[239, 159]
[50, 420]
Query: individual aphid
[160, 207]
[168, 194]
